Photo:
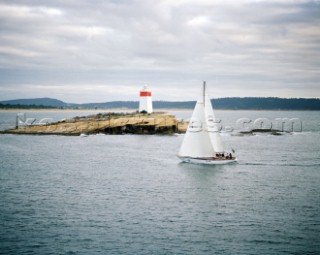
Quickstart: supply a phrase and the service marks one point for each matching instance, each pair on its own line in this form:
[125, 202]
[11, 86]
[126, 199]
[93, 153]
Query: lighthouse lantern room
[145, 100]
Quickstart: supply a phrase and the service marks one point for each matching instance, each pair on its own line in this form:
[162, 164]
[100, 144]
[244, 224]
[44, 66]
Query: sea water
[129, 194]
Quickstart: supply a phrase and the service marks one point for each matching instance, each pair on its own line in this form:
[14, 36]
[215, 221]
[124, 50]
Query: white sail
[197, 142]
[202, 138]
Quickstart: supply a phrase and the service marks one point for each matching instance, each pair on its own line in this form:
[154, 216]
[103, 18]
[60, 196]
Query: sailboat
[202, 142]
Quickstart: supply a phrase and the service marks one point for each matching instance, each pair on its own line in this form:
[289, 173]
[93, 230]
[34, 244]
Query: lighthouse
[145, 100]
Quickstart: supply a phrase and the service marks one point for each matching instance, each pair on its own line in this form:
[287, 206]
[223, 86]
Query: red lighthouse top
[145, 92]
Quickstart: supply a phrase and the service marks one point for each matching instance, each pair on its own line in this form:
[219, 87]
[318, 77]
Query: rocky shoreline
[108, 123]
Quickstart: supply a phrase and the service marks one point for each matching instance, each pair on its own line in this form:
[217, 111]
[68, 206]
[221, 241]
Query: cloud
[28, 12]
[248, 48]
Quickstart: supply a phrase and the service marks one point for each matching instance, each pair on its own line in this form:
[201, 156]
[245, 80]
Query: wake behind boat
[202, 142]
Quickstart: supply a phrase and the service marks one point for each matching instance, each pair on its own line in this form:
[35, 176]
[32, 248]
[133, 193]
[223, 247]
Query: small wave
[269, 241]
[278, 164]
[252, 164]
[100, 134]
[225, 134]
[305, 133]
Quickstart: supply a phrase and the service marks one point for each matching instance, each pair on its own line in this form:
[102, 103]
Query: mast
[204, 93]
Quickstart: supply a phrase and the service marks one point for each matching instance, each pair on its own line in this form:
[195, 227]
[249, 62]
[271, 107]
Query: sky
[82, 51]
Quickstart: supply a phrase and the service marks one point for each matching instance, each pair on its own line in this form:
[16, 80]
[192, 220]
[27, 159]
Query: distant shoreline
[133, 110]
[231, 103]
[63, 110]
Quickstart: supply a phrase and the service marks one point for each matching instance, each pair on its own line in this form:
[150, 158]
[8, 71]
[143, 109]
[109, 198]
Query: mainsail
[202, 138]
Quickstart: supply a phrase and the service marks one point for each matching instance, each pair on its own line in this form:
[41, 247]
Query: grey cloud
[253, 47]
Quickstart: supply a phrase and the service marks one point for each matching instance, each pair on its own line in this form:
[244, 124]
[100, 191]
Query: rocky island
[107, 123]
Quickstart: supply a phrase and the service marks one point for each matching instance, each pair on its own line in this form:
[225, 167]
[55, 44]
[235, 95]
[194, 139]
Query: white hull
[207, 161]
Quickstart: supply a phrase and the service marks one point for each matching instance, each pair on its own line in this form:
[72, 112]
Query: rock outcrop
[110, 123]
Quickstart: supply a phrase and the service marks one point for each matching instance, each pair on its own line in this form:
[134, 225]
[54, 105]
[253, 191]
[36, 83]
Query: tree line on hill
[231, 103]
[30, 106]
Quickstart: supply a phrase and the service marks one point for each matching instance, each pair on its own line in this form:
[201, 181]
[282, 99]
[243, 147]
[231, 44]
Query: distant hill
[267, 103]
[232, 103]
[113, 104]
[37, 102]
[249, 103]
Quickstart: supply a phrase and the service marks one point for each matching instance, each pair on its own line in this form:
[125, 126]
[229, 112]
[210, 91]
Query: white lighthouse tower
[145, 100]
